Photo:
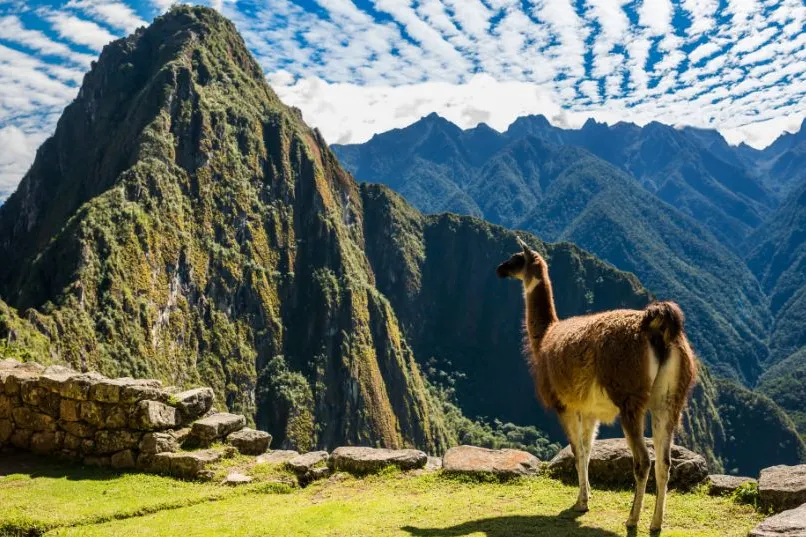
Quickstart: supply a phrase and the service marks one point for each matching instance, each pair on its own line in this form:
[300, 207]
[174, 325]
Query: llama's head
[526, 265]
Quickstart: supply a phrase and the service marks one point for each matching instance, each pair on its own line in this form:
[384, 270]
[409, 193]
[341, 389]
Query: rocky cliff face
[183, 223]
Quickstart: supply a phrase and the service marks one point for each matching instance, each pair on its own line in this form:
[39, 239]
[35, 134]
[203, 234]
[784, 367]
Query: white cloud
[348, 113]
[18, 153]
[12, 30]
[115, 14]
[79, 31]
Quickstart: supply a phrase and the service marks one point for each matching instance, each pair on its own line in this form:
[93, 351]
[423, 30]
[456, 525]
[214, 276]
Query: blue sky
[357, 67]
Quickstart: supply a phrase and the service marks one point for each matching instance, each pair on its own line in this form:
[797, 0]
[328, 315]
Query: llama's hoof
[580, 507]
[654, 530]
[631, 523]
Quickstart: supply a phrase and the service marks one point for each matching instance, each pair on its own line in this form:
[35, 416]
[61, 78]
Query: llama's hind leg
[662, 433]
[572, 423]
[633, 425]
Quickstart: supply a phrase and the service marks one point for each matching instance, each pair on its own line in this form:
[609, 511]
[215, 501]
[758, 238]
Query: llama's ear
[526, 250]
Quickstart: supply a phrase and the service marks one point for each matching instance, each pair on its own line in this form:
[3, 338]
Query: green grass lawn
[99, 503]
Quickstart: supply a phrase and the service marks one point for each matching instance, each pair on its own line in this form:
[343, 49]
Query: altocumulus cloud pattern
[358, 67]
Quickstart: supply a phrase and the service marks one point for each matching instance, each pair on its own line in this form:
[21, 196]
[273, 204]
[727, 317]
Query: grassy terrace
[49, 499]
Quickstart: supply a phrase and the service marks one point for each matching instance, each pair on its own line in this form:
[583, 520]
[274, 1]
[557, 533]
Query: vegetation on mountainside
[773, 436]
[88, 502]
[785, 383]
[566, 193]
[777, 255]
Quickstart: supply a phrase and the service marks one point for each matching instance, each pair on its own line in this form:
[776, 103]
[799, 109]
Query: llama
[593, 368]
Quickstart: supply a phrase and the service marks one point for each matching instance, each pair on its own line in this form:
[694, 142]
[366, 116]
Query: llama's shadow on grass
[565, 524]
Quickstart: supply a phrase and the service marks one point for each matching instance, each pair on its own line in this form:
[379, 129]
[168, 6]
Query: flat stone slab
[249, 441]
[216, 426]
[363, 460]
[720, 484]
[790, 523]
[302, 464]
[501, 462]
[611, 464]
[276, 456]
[783, 487]
[185, 463]
[236, 478]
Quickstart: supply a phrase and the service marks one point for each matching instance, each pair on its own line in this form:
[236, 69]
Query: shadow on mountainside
[16, 462]
[564, 524]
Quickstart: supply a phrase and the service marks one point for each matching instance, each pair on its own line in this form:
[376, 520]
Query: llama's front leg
[572, 424]
[633, 425]
[662, 433]
[589, 427]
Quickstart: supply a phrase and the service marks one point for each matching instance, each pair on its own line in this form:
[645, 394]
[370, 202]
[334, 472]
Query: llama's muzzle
[502, 270]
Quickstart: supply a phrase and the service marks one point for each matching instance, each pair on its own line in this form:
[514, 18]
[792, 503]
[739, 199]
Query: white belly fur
[598, 405]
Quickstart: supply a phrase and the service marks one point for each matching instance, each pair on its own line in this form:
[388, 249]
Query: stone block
[782, 487]
[216, 426]
[21, 438]
[6, 430]
[362, 460]
[26, 418]
[69, 410]
[112, 441]
[93, 413]
[46, 442]
[154, 442]
[193, 404]
[154, 416]
[79, 428]
[117, 417]
[249, 441]
[482, 461]
[123, 460]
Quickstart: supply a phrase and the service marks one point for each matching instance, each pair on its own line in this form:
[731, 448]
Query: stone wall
[122, 422]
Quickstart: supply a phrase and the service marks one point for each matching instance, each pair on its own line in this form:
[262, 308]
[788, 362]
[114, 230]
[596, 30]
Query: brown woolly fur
[593, 368]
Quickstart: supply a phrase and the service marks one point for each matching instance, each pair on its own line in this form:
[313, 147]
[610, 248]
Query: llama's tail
[663, 324]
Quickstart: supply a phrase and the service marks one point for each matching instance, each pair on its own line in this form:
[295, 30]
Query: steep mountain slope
[184, 223]
[565, 193]
[777, 255]
[785, 383]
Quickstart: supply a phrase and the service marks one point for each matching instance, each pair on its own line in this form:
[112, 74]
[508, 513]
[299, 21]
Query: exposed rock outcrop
[790, 523]
[611, 464]
[500, 462]
[365, 460]
[783, 487]
[720, 484]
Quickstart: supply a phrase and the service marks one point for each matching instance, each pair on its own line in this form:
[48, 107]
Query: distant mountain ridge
[530, 177]
[681, 208]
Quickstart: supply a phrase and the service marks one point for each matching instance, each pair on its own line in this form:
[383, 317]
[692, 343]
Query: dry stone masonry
[124, 423]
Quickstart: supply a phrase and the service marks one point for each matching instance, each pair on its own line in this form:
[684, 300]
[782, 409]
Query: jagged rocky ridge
[182, 223]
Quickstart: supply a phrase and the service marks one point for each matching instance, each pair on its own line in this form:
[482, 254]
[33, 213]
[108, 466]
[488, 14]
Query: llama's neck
[540, 312]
